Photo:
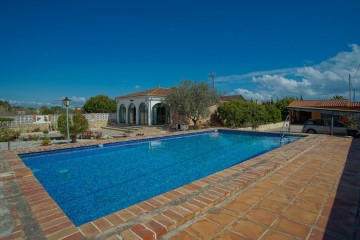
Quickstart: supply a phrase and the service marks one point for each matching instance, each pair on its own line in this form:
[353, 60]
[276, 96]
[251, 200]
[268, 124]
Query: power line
[356, 71]
[350, 84]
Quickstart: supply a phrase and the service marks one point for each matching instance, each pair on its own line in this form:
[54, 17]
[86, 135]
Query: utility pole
[350, 84]
[212, 76]
[354, 89]
[350, 87]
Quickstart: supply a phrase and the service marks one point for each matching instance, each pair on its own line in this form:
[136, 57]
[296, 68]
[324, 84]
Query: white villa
[143, 108]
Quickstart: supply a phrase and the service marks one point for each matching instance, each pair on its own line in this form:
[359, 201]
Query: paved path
[315, 196]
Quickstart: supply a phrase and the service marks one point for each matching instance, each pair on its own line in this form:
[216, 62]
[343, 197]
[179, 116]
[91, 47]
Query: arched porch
[122, 114]
[143, 114]
[160, 114]
[132, 114]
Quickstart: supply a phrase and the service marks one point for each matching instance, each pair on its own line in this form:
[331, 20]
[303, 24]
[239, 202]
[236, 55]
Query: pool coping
[154, 217]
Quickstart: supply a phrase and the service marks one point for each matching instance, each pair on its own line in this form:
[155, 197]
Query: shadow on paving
[343, 222]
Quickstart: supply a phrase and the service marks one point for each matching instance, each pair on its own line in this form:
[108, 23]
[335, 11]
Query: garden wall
[266, 126]
[27, 123]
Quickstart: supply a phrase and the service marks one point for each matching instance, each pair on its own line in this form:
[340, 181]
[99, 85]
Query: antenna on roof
[212, 77]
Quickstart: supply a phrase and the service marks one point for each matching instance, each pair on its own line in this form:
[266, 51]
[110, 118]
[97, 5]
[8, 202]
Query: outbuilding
[338, 109]
[143, 108]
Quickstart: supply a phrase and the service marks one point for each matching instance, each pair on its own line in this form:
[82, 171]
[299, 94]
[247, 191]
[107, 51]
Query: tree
[5, 107]
[44, 110]
[237, 113]
[57, 110]
[77, 125]
[6, 134]
[273, 113]
[338, 97]
[282, 106]
[192, 99]
[100, 104]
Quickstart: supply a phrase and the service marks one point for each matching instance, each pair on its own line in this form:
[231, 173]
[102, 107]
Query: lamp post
[66, 102]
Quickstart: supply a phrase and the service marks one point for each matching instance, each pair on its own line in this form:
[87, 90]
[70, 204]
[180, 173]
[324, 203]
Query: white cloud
[249, 94]
[275, 84]
[323, 80]
[78, 99]
[29, 103]
[240, 78]
[35, 104]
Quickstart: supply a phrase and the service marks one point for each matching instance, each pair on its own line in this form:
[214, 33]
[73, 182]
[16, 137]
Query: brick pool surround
[154, 217]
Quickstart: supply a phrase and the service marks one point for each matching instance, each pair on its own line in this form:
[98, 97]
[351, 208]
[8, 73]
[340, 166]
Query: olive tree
[192, 99]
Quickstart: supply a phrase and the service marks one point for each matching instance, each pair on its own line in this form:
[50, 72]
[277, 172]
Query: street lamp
[66, 101]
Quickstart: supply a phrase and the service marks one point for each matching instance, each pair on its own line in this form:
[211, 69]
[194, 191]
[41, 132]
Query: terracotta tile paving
[308, 189]
[303, 202]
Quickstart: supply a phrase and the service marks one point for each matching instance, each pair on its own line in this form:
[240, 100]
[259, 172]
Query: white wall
[149, 101]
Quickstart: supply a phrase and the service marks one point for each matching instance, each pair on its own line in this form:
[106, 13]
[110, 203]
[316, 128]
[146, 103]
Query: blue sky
[78, 49]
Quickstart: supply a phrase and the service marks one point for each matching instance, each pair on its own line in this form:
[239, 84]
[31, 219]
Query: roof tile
[324, 103]
[151, 92]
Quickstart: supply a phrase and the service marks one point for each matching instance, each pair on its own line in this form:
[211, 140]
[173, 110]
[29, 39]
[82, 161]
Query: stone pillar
[137, 114]
[118, 112]
[149, 113]
[127, 114]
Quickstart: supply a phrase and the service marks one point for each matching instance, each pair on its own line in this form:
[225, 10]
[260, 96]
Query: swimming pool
[91, 182]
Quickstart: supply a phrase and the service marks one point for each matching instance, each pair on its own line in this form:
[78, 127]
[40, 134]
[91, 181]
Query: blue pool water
[88, 183]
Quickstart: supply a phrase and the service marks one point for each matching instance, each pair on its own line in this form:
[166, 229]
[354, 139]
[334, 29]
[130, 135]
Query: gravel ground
[29, 144]
[147, 131]
[293, 128]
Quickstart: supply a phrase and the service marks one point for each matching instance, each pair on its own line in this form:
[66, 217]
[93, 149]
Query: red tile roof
[152, 92]
[324, 103]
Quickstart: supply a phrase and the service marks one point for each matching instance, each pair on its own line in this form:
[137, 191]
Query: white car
[323, 126]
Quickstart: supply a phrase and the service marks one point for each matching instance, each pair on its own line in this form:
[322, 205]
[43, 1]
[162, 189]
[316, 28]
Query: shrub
[45, 131]
[8, 135]
[77, 125]
[6, 119]
[239, 113]
[274, 114]
[37, 129]
[35, 138]
[282, 106]
[46, 141]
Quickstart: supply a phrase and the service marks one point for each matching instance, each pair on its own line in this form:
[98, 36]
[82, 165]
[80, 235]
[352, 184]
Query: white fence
[52, 119]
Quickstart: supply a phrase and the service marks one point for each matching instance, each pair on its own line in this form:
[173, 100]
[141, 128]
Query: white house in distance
[143, 108]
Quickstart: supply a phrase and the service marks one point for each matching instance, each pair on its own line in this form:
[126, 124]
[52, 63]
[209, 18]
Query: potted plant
[353, 128]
